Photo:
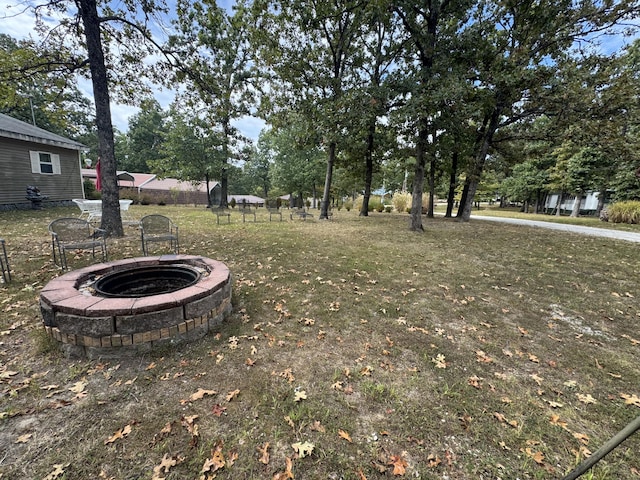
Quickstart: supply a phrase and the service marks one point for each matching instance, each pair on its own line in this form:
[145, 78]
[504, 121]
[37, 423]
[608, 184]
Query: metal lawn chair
[158, 228]
[75, 234]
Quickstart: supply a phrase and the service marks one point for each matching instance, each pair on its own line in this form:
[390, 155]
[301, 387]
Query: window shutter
[35, 162]
[55, 162]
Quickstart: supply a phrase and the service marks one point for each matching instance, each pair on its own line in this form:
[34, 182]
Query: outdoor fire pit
[128, 307]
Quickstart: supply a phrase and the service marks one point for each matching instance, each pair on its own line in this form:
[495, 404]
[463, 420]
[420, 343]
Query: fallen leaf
[78, 387]
[582, 437]
[537, 457]
[58, 470]
[303, 449]
[433, 460]
[165, 464]
[555, 420]
[586, 398]
[439, 361]
[300, 395]
[631, 399]
[201, 393]
[287, 474]
[218, 410]
[232, 395]
[475, 382]
[318, 427]
[537, 379]
[399, 464]
[264, 451]
[24, 438]
[482, 357]
[123, 432]
[345, 435]
[216, 462]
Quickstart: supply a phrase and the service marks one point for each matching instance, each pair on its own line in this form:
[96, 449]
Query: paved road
[597, 232]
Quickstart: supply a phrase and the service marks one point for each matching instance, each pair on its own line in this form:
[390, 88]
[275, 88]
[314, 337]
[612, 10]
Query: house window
[45, 163]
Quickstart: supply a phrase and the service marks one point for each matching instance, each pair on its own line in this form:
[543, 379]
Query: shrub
[624, 212]
[401, 201]
[232, 203]
[348, 205]
[90, 192]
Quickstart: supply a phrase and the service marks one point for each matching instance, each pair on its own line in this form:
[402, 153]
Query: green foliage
[624, 212]
[48, 97]
[145, 138]
[90, 191]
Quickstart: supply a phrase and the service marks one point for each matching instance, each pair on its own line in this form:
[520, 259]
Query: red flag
[98, 181]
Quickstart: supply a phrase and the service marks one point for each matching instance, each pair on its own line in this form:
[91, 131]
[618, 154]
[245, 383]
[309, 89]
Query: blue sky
[18, 22]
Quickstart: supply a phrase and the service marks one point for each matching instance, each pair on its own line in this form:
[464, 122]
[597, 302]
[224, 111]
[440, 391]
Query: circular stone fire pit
[128, 307]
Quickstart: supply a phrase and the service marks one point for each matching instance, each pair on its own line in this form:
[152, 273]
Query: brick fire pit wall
[87, 325]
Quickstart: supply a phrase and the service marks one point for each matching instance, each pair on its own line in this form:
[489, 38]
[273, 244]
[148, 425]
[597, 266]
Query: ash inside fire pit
[145, 281]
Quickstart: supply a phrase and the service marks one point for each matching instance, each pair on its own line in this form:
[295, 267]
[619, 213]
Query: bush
[401, 201]
[624, 212]
[90, 192]
[348, 205]
[232, 203]
[374, 204]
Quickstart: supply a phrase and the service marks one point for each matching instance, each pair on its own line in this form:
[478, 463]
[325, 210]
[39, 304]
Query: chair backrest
[70, 229]
[153, 224]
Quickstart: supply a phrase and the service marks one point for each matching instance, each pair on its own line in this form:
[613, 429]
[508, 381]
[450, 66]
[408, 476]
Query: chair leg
[63, 259]
[6, 268]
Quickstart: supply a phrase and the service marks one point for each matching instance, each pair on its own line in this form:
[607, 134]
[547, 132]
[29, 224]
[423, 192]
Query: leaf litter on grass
[438, 354]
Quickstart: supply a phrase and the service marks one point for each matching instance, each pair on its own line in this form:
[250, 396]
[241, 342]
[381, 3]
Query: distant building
[147, 187]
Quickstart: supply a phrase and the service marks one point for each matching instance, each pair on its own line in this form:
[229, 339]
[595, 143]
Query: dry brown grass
[471, 351]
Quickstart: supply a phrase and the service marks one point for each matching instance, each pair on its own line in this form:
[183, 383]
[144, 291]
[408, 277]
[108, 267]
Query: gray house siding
[32, 156]
[15, 162]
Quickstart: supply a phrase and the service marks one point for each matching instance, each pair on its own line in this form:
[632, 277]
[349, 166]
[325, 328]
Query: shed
[30, 155]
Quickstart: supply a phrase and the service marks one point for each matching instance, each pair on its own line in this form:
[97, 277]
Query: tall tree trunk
[224, 173]
[418, 179]
[452, 185]
[463, 198]
[111, 217]
[206, 181]
[324, 205]
[575, 212]
[483, 142]
[432, 185]
[559, 204]
[602, 197]
[368, 174]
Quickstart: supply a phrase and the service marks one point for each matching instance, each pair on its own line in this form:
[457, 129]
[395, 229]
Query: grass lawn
[356, 349]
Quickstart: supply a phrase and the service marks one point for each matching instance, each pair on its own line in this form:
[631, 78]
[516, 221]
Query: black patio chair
[75, 234]
[158, 228]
